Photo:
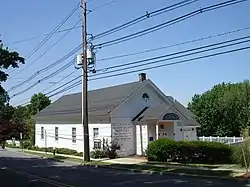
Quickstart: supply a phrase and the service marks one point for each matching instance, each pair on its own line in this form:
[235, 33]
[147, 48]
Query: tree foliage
[224, 110]
[38, 102]
[7, 59]
[8, 126]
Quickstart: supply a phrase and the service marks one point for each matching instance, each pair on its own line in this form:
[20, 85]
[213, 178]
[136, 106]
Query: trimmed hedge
[64, 151]
[164, 150]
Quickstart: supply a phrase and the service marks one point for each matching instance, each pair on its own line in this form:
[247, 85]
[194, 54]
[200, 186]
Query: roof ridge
[106, 87]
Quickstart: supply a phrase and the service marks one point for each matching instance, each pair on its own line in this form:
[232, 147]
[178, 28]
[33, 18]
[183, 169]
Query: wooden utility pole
[85, 84]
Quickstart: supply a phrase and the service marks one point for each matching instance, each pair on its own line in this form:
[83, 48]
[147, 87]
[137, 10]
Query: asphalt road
[28, 171]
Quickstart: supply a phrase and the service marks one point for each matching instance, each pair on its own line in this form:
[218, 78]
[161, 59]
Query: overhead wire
[154, 62]
[57, 62]
[176, 53]
[168, 23]
[173, 45]
[53, 31]
[67, 65]
[221, 5]
[51, 47]
[30, 54]
[59, 31]
[144, 17]
[159, 66]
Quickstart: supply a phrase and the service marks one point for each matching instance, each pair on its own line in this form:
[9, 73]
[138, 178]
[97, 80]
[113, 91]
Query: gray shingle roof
[101, 103]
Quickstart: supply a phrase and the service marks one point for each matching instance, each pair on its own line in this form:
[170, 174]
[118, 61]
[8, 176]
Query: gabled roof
[100, 102]
[158, 112]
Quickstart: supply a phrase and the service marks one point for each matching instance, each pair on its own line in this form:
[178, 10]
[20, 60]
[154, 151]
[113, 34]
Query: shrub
[111, 151]
[189, 151]
[98, 153]
[26, 144]
[162, 150]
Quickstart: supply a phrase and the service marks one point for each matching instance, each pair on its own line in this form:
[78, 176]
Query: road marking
[41, 179]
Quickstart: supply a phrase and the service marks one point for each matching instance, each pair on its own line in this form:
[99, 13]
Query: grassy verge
[205, 166]
[63, 158]
[152, 167]
[180, 170]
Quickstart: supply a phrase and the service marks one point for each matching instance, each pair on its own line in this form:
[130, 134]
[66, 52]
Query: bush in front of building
[164, 150]
[98, 153]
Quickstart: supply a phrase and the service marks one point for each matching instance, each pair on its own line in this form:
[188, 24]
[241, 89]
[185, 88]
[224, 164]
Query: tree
[7, 59]
[38, 102]
[224, 110]
[7, 126]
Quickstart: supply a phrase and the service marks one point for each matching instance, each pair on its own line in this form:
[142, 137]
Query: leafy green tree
[7, 59]
[38, 102]
[224, 110]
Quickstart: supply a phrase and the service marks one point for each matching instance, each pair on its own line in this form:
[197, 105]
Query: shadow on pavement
[77, 175]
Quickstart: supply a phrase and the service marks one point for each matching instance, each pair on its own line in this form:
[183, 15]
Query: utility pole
[85, 84]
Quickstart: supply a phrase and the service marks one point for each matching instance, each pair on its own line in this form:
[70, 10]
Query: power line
[103, 5]
[47, 88]
[59, 31]
[168, 23]
[51, 47]
[174, 63]
[79, 82]
[53, 31]
[144, 17]
[65, 77]
[158, 66]
[49, 36]
[180, 52]
[42, 35]
[174, 45]
[65, 57]
[45, 78]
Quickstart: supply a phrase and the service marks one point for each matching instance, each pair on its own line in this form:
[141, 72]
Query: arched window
[171, 116]
[145, 96]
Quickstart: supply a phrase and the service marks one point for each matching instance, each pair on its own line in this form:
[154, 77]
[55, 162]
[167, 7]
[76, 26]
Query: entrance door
[166, 130]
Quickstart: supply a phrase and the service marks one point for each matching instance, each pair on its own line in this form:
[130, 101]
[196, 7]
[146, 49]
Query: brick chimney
[142, 77]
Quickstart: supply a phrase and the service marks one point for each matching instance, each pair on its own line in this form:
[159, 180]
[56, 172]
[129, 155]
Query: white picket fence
[227, 140]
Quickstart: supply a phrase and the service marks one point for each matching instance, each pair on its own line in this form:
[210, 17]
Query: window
[56, 133]
[42, 133]
[97, 145]
[145, 96]
[74, 135]
[96, 132]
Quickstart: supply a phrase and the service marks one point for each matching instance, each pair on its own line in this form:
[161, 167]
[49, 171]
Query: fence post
[211, 139]
[234, 140]
[203, 138]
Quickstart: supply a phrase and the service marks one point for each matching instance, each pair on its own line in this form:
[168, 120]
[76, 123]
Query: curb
[164, 173]
[147, 171]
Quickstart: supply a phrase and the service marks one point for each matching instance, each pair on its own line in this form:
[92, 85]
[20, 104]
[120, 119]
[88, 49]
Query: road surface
[28, 171]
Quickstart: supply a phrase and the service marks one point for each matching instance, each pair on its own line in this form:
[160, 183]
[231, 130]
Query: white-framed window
[42, 133]
[73, 134]
[145, 96]
[56, 133]
[97, 144]
[95, 132]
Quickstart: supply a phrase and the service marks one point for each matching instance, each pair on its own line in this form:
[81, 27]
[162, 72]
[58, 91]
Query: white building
[132, 115]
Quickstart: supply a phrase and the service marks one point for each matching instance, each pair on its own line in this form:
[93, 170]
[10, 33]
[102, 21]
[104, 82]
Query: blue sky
[31, 18]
